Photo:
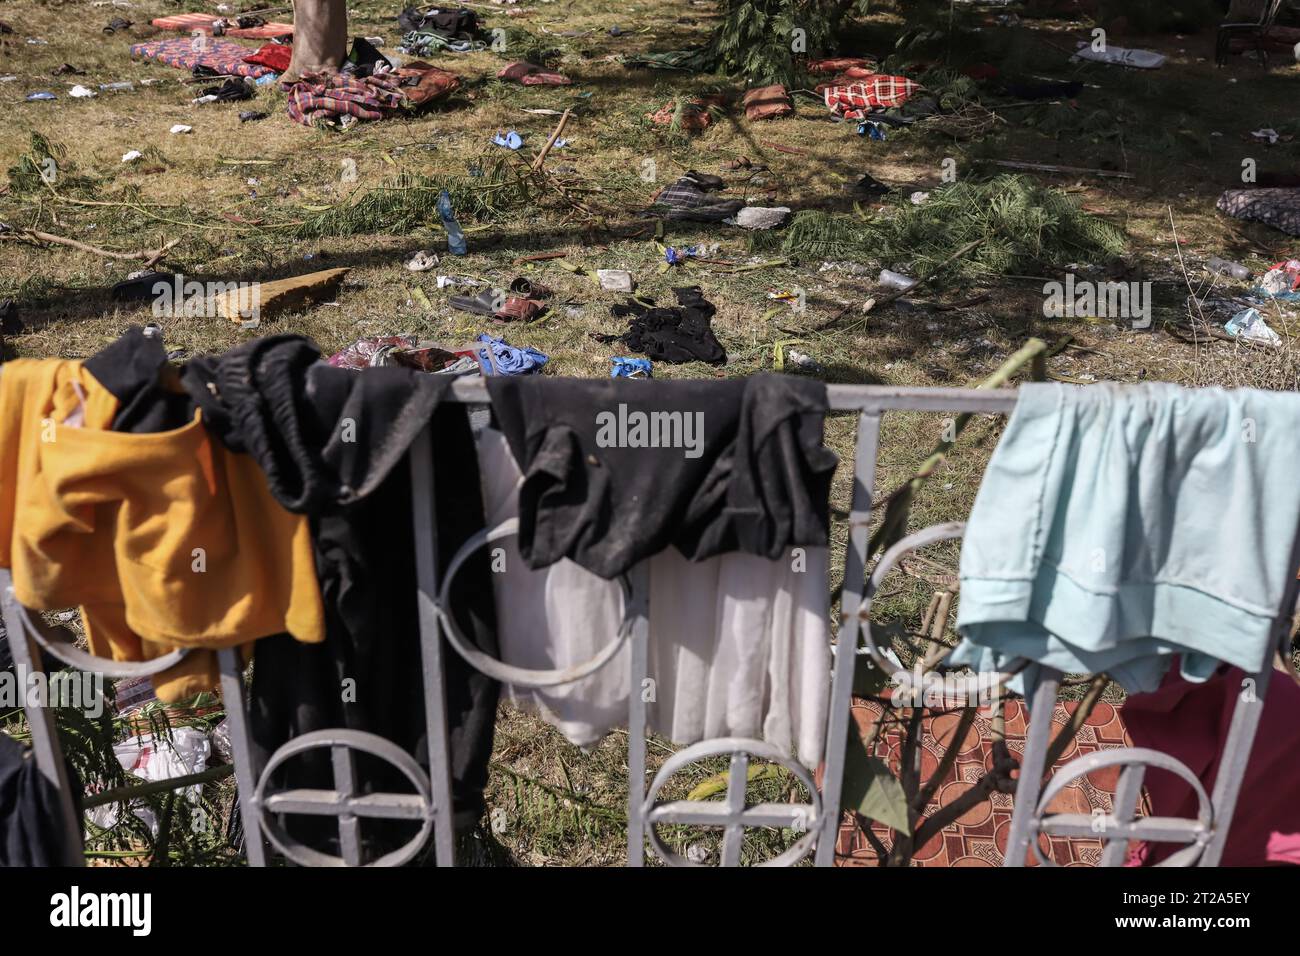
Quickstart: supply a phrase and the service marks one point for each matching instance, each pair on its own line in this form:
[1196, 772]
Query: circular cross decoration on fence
[733, 814]
[508, 673]
[1117, 828]
[59, 644]
[344, 801]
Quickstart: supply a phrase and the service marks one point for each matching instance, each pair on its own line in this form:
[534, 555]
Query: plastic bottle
[117, 87]
[455, 238]
[896, 280]
[1225, 268]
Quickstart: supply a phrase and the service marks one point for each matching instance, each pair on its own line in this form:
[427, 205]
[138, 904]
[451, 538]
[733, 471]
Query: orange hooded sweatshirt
[165, 540]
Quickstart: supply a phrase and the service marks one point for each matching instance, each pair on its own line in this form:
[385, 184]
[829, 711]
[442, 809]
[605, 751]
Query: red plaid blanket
[853, 100]
[326, 97]
[185, 54]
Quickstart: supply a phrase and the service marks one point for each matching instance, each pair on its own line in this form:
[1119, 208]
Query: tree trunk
[320, 37]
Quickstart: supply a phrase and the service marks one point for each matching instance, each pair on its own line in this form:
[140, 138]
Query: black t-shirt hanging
[617, 470]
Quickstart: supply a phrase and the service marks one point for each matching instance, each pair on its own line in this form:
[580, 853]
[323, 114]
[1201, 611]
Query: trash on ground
[896, 280]
[422, 261]
[803, 362]
[627, 367]
[1250, 326]
[457, 282]
[615, 280]
[762, 217]
[1120, 56]
[510, 140]
[1223, 267]
[455, 237]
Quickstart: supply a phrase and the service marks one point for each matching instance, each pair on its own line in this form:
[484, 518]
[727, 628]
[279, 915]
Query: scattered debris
[1235, 270]
[762, 217]
[896, 280]
[626, 367]
[510, 140]
[455, 237]
[423, 261]
[615, 280]
[1250, 326]
[1120, 56]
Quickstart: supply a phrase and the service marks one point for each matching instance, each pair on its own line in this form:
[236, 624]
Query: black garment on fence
[681, 334]
[334, 445]
[31, 826]
[616, 470]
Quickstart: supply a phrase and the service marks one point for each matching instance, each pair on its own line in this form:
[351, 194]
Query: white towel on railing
[739, 645]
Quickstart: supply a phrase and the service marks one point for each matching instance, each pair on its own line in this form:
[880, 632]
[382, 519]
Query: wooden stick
[1048, 168]
[559, 129]
[149, 255]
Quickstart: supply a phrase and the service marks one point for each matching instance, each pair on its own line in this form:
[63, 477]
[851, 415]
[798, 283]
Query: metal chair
[1258, 31]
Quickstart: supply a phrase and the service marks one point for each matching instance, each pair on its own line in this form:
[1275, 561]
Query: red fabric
[854, 99]
[274, 55]
[329, 97]
[189, 22]
[1190, 722]
[695, 115]
[430, 83]
[767, 102]
[531, 75]
[838, 64]
[979, 837]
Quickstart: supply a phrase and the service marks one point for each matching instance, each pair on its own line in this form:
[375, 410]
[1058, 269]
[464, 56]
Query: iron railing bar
[46, 747]
[733, 840]
[639, 606]
[345, 785]
[847, 398]
[379, 806]
[1124, 810]
[1033, 765]
[431, 647]
[846, 657]
[232, 694]
[1155, 829]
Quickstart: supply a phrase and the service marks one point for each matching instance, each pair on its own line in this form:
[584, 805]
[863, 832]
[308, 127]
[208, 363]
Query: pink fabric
[532, 75]
[1190, 722]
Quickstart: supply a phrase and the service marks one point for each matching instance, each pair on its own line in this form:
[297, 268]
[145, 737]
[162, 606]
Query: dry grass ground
[233, 193]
